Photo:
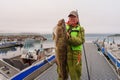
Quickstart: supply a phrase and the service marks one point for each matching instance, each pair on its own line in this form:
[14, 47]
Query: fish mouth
[60, 22]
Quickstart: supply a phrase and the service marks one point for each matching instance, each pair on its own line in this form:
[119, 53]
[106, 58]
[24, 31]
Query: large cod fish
[59, 36]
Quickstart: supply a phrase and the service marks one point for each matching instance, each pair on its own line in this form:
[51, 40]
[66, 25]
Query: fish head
[59, 30]
[61, 22]
[61, 26]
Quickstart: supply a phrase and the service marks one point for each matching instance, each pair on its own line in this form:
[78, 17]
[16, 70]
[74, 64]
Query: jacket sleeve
[78, 40]
[82, 34]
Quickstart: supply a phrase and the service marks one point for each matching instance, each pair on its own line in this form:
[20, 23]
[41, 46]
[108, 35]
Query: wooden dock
[99, 68]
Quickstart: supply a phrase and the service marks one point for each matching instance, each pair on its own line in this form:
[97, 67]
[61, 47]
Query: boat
[5, 50]
[26, 66]
[6, 44]
[110, 47]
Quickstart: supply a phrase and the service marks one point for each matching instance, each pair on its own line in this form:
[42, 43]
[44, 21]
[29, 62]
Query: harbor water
[32, 44]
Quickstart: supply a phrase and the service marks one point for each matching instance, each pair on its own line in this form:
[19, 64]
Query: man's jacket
[76, 38]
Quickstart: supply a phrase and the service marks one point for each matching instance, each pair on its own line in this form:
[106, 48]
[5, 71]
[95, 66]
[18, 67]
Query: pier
[98, 67]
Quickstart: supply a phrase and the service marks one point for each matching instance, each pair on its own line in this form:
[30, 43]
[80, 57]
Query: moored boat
[111, 49]
[8, 44]
[26, 66]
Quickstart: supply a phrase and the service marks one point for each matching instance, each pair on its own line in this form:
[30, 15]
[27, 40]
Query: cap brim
[71, 15]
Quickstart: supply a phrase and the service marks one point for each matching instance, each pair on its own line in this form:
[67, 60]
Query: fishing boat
[6, 44]
[111, 49]
[26, 66]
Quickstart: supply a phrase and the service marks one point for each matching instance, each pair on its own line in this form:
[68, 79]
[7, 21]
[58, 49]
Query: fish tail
[63, 70]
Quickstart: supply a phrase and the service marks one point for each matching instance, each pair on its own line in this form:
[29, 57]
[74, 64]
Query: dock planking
[98, 66]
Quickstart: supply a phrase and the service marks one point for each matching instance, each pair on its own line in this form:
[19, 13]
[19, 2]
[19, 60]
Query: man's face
[73, 20]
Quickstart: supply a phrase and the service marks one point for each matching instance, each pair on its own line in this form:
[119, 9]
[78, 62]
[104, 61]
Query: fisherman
[75, 34]
[69, 47]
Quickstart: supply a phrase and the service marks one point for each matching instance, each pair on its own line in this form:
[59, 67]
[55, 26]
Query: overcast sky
[96, 16]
